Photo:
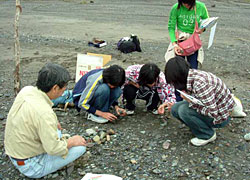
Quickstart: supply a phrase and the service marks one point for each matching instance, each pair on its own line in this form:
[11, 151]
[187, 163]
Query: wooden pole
[17, 81]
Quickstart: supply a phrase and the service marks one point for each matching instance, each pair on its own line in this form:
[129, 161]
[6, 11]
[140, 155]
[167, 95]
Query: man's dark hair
[191, 3]
[148, 74]
[50, 75]
[114, 75]
[176, 72]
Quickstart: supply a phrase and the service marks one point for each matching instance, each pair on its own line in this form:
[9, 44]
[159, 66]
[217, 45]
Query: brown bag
[193, 43]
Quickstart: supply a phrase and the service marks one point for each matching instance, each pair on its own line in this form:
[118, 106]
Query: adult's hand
[76, 141]
[59, 126]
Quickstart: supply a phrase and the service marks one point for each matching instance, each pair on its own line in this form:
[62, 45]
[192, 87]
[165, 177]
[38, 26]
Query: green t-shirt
[184, 19]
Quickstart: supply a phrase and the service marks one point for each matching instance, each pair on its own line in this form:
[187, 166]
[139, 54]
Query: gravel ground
[143, 146]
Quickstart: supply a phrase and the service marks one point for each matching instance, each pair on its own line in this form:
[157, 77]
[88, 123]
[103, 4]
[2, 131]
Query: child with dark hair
[213, 104]
[97, 90]
[146, 82]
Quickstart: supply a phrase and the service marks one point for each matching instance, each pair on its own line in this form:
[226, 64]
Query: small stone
[96, 138]
[110, 132]
[82, 173]
[164, 157]
[91, 132]
[174, 163]
[108, 137]
[173, 148]
[121, 172]
[135, 167]
[156, 171]
[133, 161]
[54, 175]
[207, 173]
[96, 170]
[102, 134]
[70, 169]
[166, 144]
[1, 117]
[247, 137]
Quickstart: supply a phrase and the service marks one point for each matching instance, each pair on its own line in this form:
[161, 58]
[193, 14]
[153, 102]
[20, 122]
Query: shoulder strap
[196, 23]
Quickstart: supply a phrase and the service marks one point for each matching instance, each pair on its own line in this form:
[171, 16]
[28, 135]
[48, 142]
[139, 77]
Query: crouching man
[33, 140]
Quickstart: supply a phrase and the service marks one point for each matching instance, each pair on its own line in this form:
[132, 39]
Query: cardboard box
[106, 58]
[86, 63]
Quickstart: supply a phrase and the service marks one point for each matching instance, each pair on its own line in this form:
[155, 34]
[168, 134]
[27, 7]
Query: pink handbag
[193, 43]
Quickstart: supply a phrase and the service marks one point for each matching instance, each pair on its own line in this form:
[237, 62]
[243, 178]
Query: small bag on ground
[238, 108]
[129, 44]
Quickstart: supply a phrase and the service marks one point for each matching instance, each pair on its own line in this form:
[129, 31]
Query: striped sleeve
[87, 94]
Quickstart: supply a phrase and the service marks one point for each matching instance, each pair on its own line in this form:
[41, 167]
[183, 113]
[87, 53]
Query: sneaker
[130, 112]
[155, 111]
[201, 142]
[97, 119]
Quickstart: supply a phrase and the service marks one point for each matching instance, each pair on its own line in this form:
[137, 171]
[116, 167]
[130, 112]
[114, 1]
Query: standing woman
[181, 26]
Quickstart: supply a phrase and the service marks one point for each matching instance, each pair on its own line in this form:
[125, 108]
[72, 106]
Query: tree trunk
[17, 81]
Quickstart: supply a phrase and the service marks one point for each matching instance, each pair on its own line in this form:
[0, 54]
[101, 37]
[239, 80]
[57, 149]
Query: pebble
[121, 172]
[1, 117]
[91, 132]
[156, 171]
[174, 163]
[247, 137]
[70, 169]
[102, 134]
[110, 132]
[54, 175]
[166, 144]
[96, 139]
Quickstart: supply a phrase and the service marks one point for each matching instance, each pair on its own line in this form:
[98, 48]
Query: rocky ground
[143, 146]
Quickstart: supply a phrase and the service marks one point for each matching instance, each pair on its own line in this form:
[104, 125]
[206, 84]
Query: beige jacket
[31, 127]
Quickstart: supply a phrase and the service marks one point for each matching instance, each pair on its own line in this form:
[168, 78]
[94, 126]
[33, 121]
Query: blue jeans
[104, 97]
[200, 125]
[44, 164]
[192, 59]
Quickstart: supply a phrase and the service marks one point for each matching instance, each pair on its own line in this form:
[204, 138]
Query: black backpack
[129, 44]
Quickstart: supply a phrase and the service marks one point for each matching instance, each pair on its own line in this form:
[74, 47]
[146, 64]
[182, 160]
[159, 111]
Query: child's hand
[161, 109]
[120, 111]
